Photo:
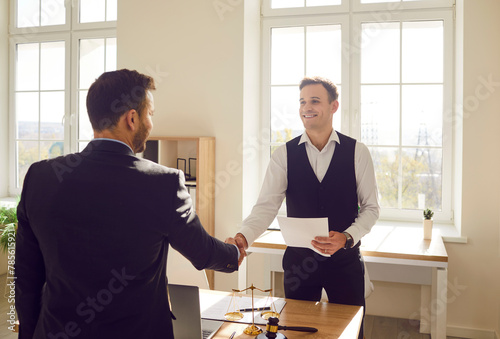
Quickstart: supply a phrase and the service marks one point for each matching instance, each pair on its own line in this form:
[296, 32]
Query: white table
[394, 254]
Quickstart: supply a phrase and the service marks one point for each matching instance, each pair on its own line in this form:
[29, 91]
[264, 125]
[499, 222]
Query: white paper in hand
[299, 232]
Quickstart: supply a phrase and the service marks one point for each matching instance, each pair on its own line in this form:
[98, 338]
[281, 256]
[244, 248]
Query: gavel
[272, 328]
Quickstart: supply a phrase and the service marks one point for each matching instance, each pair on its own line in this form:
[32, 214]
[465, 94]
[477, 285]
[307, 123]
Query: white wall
[477, 264]
[4, 92]
[205, 93]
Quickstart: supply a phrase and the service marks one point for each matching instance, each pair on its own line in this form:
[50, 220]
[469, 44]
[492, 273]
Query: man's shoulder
[346, 138]
[152, 167]
[70, 165]
[294, 142]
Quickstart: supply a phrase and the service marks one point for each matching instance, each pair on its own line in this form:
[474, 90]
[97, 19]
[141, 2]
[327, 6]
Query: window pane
[51, 149]
[422, 115]
[111, 10]
[287, 3]
[91, 61]
[53, 12]
[423, 51]
[85, 131]
[52, 62]
[285, 120]
[311, 3]
[27, 109]
[51, 115]
[386, 163]
[380, 114]
[27, 153]
[92, 10]
[287, 55]
[380, 53]
[110, 54]
[28, 13]
[324, 51]
[422, 178]
[27, 67]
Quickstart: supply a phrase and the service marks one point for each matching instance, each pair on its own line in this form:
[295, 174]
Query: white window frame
[75, 20]
[357, 6]
[267, 11]
[38, 38]
[13, 29]
[71, 32]
[352, 14]
[446, 213]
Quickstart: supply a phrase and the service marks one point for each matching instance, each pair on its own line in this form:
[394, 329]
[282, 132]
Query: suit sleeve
[188, 236]
[29, 269]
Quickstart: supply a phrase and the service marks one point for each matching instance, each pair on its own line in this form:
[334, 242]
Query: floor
[393, 328]
[375, 327]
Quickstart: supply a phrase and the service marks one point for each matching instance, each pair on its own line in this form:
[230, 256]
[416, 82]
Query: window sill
[449, 232]
[8, 202]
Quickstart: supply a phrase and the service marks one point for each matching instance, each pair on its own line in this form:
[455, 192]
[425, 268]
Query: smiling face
[316, 110]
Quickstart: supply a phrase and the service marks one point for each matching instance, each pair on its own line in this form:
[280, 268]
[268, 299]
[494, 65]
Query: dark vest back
[335, 197]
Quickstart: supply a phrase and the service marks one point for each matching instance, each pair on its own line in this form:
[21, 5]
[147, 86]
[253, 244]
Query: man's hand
[243, 253]
[242, 244]
[331, 244]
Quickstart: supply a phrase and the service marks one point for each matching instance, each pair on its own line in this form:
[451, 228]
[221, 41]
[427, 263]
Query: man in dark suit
[94, 228]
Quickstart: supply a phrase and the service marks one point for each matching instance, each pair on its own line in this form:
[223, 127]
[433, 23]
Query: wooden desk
[331, 320]
[395, 254]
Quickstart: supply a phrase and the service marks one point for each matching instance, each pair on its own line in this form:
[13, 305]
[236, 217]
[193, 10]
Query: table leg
[425, 314]
[439, 303]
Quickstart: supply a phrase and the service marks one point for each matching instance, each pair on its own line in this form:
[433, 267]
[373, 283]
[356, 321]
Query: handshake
[240, 241]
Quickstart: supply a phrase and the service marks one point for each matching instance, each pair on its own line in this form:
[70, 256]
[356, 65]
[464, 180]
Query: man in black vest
[322, 173]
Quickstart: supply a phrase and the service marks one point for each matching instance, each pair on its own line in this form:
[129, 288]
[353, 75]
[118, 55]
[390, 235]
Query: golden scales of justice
[237, 315]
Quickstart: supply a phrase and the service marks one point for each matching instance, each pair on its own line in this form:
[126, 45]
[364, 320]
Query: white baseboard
[471, 333]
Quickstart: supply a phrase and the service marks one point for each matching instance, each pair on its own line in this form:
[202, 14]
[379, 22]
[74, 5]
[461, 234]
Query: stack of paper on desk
[214, 306]
[299, 232]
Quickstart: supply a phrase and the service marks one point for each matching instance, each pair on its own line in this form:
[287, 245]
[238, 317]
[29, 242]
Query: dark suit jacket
[92, 242]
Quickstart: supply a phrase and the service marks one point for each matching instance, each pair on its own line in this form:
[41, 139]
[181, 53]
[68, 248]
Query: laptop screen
[185, 304]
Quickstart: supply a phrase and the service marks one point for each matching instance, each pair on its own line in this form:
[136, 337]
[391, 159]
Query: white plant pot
[428, 229]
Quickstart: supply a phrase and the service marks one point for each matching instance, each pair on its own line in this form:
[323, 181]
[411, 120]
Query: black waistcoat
[335, 197]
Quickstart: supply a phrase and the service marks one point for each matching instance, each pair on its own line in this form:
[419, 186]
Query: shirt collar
[333, 137]
[108, 139]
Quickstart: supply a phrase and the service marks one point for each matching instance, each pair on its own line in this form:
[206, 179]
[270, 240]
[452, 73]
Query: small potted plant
[428, 214]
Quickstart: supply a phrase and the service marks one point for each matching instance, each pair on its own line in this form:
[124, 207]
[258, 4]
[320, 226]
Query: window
[392, 62]
[40, 101]
[56, 53]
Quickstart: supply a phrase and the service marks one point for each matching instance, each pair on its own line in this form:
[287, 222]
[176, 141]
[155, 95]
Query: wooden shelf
[168, 150]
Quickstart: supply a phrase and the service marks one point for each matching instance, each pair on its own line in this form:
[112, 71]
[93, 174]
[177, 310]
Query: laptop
[185, 304]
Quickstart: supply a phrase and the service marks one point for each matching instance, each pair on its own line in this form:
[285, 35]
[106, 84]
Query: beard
[140, 139]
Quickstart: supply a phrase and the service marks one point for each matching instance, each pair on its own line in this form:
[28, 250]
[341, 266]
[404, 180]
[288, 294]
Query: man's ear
[132, 119]
[335, 106]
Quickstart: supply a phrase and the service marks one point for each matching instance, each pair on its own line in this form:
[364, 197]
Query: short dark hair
[114, 93]
[333, 92]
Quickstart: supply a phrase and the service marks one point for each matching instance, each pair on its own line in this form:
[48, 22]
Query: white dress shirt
[273, 189]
